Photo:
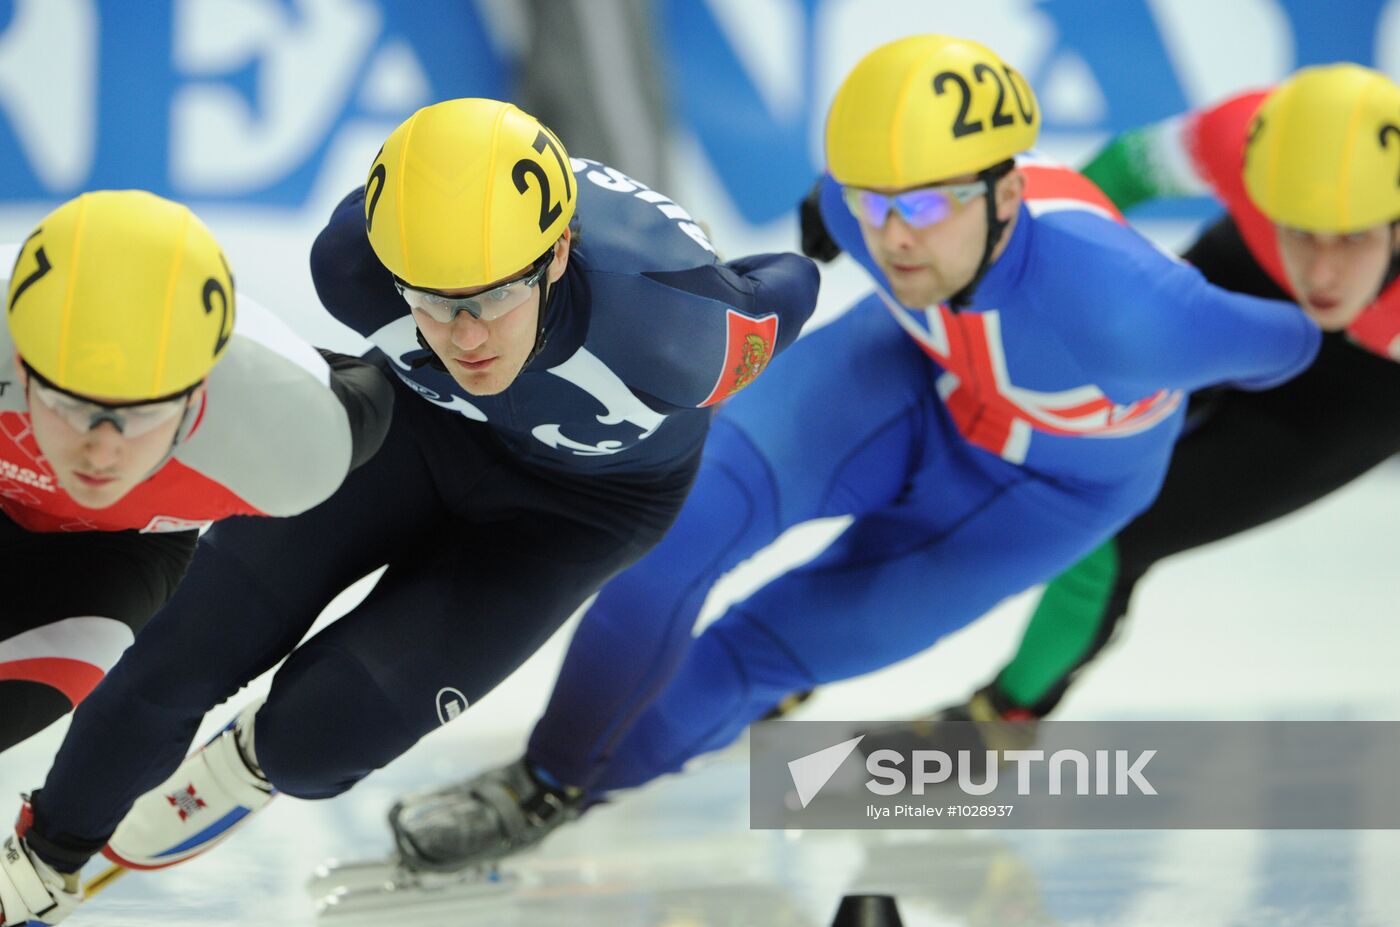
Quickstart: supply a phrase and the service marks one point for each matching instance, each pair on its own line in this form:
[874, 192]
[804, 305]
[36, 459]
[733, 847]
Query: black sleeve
[368, 399]
[1223, 258]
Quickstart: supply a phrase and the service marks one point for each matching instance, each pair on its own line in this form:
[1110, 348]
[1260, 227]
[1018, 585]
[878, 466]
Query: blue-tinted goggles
[920, 208]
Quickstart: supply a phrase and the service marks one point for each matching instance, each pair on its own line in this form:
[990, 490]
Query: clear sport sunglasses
[131, 420]
[920, 208]
[487, 306]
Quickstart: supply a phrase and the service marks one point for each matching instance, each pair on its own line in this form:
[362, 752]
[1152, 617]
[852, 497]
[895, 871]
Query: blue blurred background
[262, 113]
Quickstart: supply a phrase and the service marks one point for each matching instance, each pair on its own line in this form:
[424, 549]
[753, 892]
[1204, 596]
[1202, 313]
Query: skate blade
[419, 892]
[336, 874]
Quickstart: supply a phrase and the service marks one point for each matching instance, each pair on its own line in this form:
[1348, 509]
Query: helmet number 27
[526, 168]
[1383, 137]
[44, 267]
[214, 287]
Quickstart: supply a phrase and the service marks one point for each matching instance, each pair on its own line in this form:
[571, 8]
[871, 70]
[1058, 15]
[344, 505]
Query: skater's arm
[368, 400]
[1156, 323]
[695, 336]
[1148, 163]
[1191, 154]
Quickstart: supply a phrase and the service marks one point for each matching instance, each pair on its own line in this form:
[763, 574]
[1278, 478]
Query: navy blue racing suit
[497, 516]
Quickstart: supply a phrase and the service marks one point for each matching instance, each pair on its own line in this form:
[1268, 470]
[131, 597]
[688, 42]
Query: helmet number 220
[1000, 117]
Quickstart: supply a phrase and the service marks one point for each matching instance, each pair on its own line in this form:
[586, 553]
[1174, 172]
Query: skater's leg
[254, 588]
[888, 588]
[73, 604]
[454, 615]
[816, 435]
[1254, 458]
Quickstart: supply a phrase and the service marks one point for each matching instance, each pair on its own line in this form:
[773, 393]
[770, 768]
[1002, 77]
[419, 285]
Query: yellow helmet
[1324, 150]
[927, 108]
[121, 295]
[467, 192]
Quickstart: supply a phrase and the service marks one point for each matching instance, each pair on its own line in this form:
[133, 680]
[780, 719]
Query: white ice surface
[1291, 619]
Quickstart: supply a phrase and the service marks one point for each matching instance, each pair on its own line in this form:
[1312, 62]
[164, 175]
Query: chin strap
[541, 330]
[428, 360]
[1393, 270]
[995, 227]
[187, 423]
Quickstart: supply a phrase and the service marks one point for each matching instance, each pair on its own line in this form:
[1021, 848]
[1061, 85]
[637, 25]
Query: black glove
[817, 242]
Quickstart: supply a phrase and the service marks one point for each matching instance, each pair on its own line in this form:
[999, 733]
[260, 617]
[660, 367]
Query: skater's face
[97, 466]
[1334, 277]
[485, 357]
[926, 266]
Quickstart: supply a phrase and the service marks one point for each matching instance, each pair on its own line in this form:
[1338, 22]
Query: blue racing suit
[979, 452]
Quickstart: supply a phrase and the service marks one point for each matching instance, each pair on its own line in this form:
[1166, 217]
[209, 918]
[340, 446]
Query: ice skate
[979, 725]
[215, 791]
[449, 839]
[480, 820]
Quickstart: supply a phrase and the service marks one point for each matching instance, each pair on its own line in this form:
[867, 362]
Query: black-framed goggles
[130, 419]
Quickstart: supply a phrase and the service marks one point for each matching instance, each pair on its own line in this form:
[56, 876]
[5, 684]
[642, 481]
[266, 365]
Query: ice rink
[264, 120]
[1294, 620]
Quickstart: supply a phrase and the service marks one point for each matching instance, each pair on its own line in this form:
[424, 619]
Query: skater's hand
[817, 242]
